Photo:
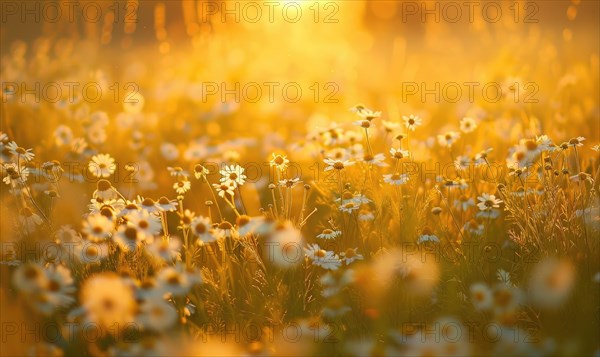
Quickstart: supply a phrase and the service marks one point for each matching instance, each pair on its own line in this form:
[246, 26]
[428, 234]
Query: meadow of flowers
[151, 214]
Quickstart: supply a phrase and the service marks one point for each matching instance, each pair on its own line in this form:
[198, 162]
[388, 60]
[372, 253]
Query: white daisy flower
[147, 225]
[182, 186]
[481, 296]
[351, 255]
[279, 161]
[102, 165]
[165, 249]
[14, 175]
[329, 234]
[233, 173]
[468, 125]
[487, 202]
[164, 204]
[63, 135]
[169, 151]
[157, 315]
[399, 153]
[448, 139]
[578, 141]
[202, 228]
[411, 122]
[16, 150]
[225, 188]
[337, 164]
[97, 228]
[128, 238]
[396, 179]
[377, 160]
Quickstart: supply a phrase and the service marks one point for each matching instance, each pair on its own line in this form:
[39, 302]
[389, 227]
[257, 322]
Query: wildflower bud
[399, 137]
[556, 173]
[548, 167]
[347, 195]
[103, 185]
[272, 186]
[565, 171]
[225, 225]
[107, 212]
[347, 186]
[52, 193]
[547, 159]
[242, 220]
[436, 210]
[307, 187]
[208, 203]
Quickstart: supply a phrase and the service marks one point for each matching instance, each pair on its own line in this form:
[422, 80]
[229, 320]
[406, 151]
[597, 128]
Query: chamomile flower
[29, 219]
[376, 160]
[576, 142]
[225, 188]
[395, 179]
[329, 234]
[323, 258]
[156, 315]
[128, 238]
[335, 164]
[551, 283]
[201, 227]
[102, 165]
[90, 252]
[481, 296]
[411, 122]
[350, 255]
[488, 202]
[21, 153]
[390, 126]
[279, 161]
[464, 203]
[182, 186]
[289, 183]
[166, 250]
[427, 236]
[399, 153]
[97, 228]
[148, 204]
[364, 112]
[164, 204]
[169, 151]
[63, 135]
[200, 171]
[105, 191]
[108, 301]
[481, 157]
[349, 207]
[468, 125]
[177, 280]
[13, 175]
[448, 139]
[147, 225]
[233, 173]
[178, 172]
